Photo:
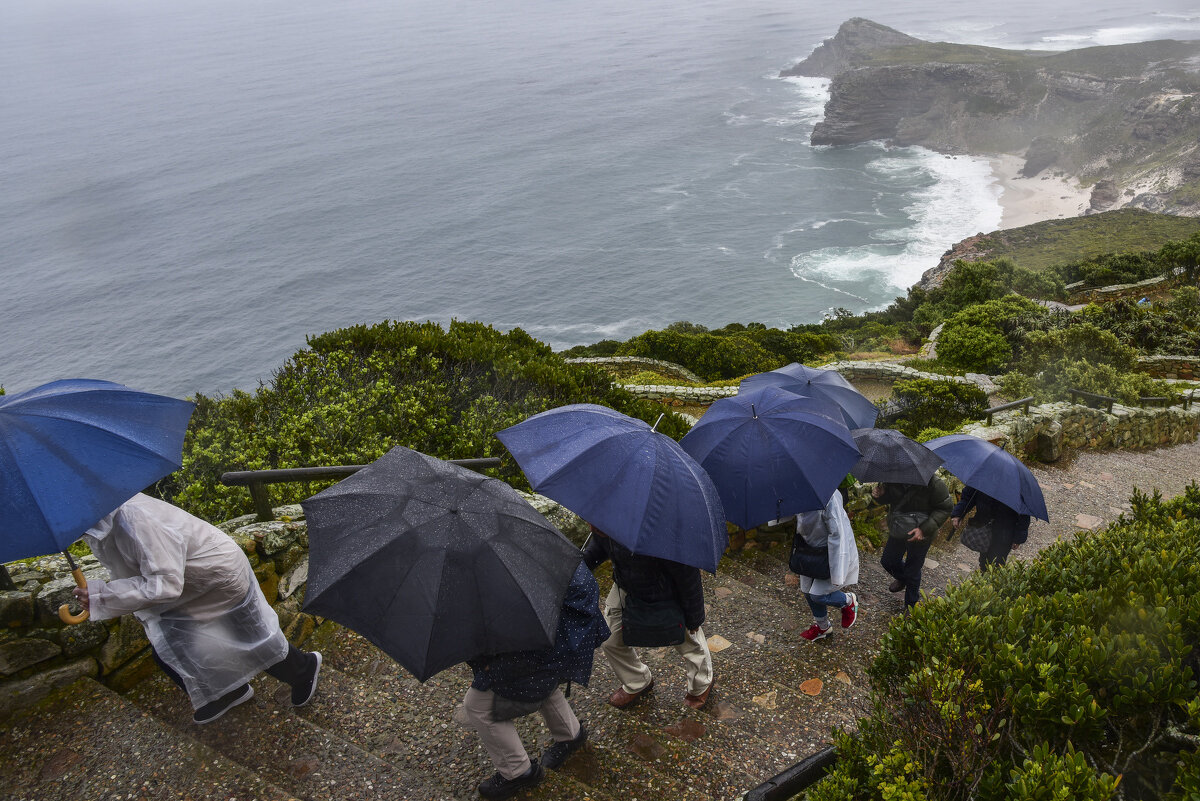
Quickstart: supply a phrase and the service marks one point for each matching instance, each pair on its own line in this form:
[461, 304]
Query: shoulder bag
[811, 560]
[977, 535]
[652, 624]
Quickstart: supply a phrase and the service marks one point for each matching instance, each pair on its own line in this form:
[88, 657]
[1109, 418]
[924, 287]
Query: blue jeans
[819, 603]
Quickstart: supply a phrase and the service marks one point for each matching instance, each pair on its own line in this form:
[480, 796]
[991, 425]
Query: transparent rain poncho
[193, 590]
[838, 537]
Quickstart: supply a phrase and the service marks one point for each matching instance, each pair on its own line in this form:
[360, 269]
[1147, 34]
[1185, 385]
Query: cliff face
[1128, 116]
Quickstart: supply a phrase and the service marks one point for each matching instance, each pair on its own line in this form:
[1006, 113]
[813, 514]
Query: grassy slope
[1044, 244]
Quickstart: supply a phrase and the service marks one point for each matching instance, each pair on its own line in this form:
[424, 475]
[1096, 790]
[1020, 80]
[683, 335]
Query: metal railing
[1186, 400]
[1094, 400]
[1023, 402]
[794, 780]
[257, 480]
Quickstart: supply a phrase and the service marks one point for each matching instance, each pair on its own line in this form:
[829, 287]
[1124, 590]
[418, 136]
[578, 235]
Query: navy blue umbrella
[993, 471]
[827, 384]
[72, 451]
[618, 473]
[435, 564]
[772, 453]
[888, 455]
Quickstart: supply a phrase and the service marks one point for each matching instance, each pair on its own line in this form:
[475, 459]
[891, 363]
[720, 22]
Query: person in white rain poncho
[825, 557]
[210, 626]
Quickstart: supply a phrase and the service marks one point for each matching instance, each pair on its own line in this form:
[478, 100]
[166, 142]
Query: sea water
[188, 189]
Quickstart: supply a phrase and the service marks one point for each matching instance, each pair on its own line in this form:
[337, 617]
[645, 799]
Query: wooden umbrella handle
[64, 611]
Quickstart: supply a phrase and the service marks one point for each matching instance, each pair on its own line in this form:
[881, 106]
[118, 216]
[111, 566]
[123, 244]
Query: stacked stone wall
[1181, 368]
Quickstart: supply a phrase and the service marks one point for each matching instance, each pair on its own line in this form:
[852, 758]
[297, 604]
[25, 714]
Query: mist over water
[187, 190]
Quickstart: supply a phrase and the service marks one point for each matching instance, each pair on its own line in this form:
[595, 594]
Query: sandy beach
[1025, 201]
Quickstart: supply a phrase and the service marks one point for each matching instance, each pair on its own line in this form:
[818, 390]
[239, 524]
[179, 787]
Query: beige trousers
[632, 672]
[500, 738]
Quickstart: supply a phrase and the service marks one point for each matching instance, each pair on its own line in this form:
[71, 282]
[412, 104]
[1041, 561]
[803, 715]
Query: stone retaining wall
[1104, 294]
[887, 372]
[1170, 367]
[657, 365]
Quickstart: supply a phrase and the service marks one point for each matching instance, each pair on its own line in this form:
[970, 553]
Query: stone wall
[643, 363]
[1104, 294]
[886, 372]
[1170, 367]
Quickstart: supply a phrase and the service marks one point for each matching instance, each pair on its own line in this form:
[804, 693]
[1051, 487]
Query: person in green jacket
[909, 538]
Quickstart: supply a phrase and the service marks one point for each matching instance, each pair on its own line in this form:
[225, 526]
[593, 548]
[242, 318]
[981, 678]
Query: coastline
[1024, 201]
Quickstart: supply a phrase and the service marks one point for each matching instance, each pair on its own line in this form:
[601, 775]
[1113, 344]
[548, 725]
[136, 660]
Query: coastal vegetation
[1069, 677]
[355, 393]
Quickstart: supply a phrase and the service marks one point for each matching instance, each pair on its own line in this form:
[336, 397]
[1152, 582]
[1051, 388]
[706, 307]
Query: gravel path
[1092, 489]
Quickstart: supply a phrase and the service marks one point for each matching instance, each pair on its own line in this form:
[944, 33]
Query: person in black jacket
[509, 685]
[1009, 529]
[904, 552]
[650, 578]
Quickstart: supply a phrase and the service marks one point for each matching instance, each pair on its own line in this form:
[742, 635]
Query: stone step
[411, 723]
[267, 737]
[86, 742]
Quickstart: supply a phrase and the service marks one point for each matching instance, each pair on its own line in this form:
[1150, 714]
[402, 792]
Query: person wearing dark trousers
[649, 578]
[915, 513]
[193, 590]
[1009, 529]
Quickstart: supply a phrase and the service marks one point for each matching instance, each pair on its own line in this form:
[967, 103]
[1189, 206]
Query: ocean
[188, 189]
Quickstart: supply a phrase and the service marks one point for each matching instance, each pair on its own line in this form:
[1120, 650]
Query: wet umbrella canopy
[72, 451]
[857, 411]
[993, 471]
[636, 485]
[888, 455]
[435, 564]
[772, 453]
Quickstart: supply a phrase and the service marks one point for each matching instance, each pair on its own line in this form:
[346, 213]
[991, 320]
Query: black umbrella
[888, 455]
[435, 564]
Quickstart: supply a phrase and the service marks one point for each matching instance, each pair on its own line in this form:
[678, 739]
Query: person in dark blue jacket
[509, 685]
[1009, 529]
[650, 578]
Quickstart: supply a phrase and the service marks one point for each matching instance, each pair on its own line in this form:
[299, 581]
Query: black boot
[500, 787]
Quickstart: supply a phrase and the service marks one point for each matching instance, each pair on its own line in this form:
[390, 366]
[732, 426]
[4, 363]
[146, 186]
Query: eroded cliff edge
[1124, 119]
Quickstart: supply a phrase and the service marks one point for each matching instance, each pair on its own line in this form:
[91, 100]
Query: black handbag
[808, 560]
[652, 624]
[977, 535]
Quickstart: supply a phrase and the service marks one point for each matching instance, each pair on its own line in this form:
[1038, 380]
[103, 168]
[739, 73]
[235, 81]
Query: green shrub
[357, 392]
[974, 350]
[929, 403]
[1067, 677]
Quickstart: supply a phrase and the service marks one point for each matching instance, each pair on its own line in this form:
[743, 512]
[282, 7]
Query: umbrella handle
[64, 611]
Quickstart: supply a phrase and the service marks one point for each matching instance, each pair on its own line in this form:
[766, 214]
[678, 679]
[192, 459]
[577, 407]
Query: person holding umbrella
[508, 685]
[650, 579]
[829, 530]
[1008, 530]
[915, 513]
[210, 627]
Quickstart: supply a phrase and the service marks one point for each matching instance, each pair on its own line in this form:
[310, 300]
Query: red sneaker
[850, 611]
[815, 632]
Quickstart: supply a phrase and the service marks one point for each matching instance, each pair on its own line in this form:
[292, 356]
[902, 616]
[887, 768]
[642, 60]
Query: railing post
[262, 500]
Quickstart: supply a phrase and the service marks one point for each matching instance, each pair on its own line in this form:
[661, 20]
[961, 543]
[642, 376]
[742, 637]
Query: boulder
[19, 654]
[15, 695]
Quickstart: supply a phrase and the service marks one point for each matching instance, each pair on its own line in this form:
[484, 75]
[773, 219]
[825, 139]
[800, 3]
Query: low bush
[357, 392]
[926, 403]
[1070, 677]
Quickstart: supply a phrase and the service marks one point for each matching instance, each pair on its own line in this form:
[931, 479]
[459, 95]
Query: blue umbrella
[72, 451]
[993, 471]
[772, 453]
[618, 473]
[827, 384]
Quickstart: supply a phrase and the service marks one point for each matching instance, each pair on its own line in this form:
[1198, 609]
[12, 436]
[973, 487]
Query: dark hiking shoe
[556, 754]
[303, 692]
[210, 712]
[896, 585]
[500, 787]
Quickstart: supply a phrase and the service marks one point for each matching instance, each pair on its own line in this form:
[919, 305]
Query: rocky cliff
[1125, 119]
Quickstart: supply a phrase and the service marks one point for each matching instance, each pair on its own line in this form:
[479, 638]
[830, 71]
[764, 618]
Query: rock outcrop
[1126, 115]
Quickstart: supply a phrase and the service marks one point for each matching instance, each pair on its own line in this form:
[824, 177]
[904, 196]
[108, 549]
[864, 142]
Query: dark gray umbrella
[435, 564]
[888, 455]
